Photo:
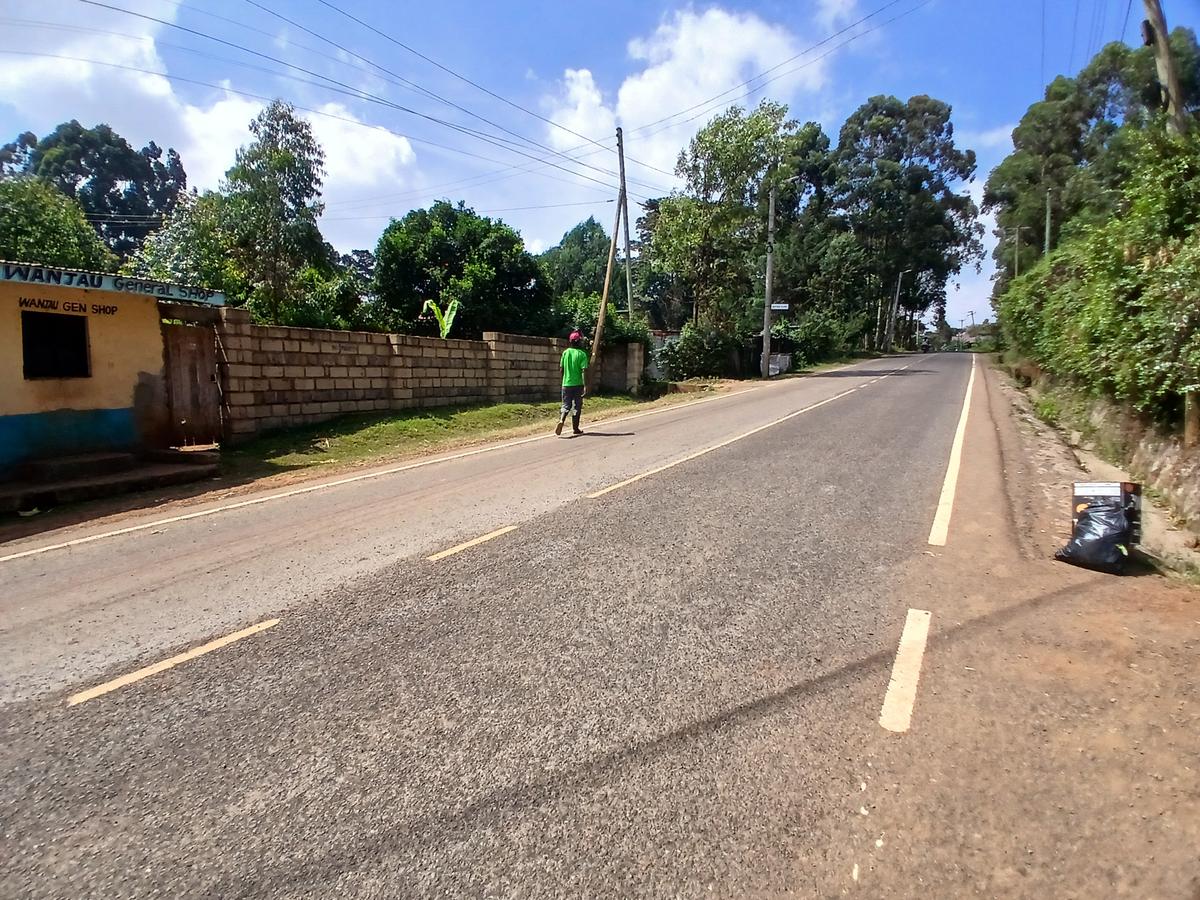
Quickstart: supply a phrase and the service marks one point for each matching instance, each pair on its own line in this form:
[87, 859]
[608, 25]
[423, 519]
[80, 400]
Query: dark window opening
[56, 346]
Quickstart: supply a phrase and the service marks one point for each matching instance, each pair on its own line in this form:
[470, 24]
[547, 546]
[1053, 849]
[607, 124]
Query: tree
[667, 298]
[123, 191]
[38, 224]
[449, 253]
[1077, 144]
[710, 235]
[899, 173]
[577, 264]
[273, 190]
[194, 246]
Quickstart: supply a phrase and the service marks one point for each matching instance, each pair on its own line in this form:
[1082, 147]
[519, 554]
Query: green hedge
[1117, 309]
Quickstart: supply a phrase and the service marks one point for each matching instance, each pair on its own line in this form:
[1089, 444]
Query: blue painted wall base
[63, 432]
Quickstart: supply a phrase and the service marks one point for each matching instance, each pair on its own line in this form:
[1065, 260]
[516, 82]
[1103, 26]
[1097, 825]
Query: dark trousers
[572, 399]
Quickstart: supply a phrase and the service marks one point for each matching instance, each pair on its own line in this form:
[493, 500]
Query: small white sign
[1098, 488]
[781, 307]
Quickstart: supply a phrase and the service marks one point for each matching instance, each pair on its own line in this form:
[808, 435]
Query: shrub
[1116, 310]
[698, 353]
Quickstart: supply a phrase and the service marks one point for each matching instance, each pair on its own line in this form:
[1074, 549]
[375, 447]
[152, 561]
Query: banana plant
[445, 319]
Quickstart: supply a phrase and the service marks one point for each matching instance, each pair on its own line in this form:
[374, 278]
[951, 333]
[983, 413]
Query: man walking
[573, 363]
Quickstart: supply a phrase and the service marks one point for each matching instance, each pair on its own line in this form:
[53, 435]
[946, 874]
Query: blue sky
[587, 66]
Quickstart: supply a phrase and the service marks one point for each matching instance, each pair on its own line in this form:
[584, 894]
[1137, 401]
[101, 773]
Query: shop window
[56, 346]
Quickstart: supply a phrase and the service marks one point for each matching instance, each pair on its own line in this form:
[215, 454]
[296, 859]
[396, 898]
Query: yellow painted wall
[126, 347]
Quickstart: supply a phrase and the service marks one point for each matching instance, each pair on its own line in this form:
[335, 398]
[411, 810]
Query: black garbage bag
[1100, 539]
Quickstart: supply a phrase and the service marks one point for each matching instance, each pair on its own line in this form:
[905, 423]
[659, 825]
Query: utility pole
[766, 335]
[971, 313]
[1017, 253]
[625, 210]
[592, 369]
[1154, 33]
[1046, 245]
[893, 307]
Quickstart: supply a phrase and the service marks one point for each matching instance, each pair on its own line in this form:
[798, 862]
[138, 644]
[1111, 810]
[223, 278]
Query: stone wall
[273, 377]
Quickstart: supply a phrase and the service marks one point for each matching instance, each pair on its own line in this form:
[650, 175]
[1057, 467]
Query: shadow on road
[453, 825]
[607, 434]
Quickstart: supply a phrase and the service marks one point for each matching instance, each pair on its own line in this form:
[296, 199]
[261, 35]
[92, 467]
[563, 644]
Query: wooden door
[192, 389]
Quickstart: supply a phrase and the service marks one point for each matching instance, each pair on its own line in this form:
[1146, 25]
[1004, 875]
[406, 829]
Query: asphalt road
[669, 690]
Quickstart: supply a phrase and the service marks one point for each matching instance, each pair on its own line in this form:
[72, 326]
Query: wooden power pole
[593, 371]
[1155, 34]
[625, 218]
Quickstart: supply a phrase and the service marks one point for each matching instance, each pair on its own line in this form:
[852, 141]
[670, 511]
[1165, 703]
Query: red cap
[576, 336]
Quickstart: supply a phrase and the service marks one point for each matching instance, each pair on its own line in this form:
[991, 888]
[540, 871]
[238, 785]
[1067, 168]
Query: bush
[818, 334]
[580, 311]
[699, 353]
[1116, 310]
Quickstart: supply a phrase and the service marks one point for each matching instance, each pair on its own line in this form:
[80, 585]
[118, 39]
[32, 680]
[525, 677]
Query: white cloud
[833, 14]
[360, 161]
[689, 58]
[996, 138]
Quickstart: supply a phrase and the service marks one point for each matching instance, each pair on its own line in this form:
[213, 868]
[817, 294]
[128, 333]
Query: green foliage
[850, 219]
[710, 237]
[699, 353]
[1077, 143]
[819, 334]
[1046, 408]
[1117, 309]
[449, 253]
[445, 320]
[577, 264]
[272, 195]
[120, 188]
[325, 298]
[579, 312]
[38, 224]
[194, 246]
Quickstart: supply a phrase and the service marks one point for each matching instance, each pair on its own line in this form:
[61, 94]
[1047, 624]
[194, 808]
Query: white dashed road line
[901, 695]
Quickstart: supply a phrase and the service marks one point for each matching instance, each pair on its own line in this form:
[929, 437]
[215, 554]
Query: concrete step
[83, 465]
[43, 495]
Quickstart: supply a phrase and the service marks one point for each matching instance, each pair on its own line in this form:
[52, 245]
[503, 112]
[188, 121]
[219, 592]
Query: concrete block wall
[524, 369]
[273, 377]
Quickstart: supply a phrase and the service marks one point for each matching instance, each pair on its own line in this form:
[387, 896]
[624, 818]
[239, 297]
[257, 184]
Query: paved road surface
[672, 689]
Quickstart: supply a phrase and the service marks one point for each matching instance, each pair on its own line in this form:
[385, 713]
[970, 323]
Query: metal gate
[192, 389]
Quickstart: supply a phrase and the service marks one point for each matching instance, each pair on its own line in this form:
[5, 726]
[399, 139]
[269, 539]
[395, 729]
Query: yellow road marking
[379, 473]
[901, 695]
[325, 485]
[940, 530]
[108, 686]
[482, 539]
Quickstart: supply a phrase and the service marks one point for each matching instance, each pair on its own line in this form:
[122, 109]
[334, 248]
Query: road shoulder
[1052, 750]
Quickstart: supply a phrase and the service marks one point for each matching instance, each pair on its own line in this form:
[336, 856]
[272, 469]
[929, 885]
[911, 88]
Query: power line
[485, 212]
[474, 84]
[487, 176]
[803, 65]
[429, 93]
[773, 68]
[316, 112]
[1125, 24]
[1074, 31]
[342, 87]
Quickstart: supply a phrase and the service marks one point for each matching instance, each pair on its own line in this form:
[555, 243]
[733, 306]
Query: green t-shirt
[574, 361]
